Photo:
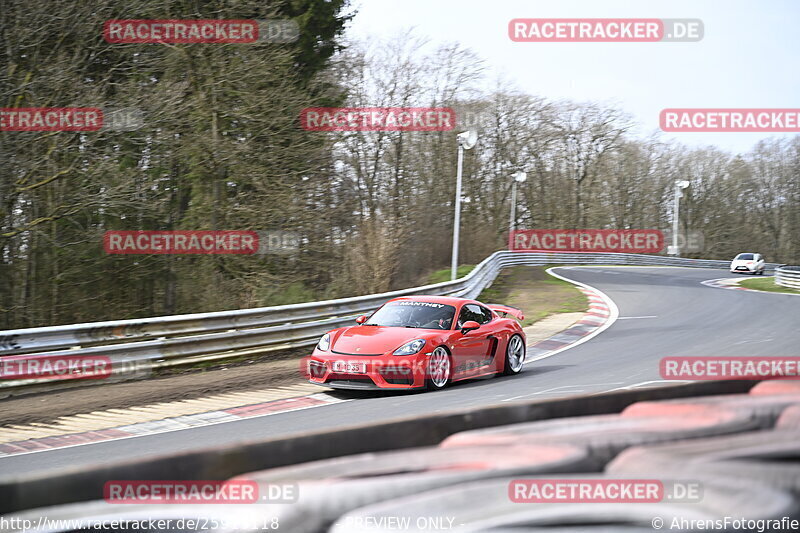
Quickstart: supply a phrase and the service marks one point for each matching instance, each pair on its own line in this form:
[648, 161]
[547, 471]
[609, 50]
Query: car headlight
[325, 342]
[410, 348]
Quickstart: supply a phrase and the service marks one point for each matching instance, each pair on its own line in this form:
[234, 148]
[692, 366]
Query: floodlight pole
[466, 140]
[676, 206]
[519, 177]
[513, 219]
[457, 219]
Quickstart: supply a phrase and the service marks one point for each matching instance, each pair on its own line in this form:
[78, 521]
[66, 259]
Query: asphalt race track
[662, 312]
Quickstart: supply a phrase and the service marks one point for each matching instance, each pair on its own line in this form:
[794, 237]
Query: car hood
[374, 340]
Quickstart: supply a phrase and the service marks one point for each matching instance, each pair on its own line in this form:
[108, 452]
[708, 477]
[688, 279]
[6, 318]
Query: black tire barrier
[67, 485]
[521, 457]
[328, 489]
[486, 506]
[769, 458]
[776, 386]
[605, 436]
[789, 419]
[765, 409]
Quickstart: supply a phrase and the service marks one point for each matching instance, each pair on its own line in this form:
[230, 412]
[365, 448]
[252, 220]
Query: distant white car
[748, 263]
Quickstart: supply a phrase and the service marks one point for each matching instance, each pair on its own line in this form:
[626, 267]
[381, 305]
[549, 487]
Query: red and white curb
[601, 314]
[733, 283]
[728, 283]
[167, 424]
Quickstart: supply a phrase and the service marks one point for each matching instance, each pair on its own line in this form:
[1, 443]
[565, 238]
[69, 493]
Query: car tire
[515, 355]
[439, 371]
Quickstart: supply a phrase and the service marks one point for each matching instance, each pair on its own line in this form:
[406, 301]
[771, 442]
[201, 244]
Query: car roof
[449, 300]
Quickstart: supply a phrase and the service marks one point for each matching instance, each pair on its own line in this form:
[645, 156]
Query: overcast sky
[747, 59]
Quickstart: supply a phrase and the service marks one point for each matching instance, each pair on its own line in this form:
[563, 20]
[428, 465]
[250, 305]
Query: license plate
[349, 368]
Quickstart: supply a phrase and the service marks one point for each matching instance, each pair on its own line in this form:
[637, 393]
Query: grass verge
[444, 274]
[535, 292]
[766, 284]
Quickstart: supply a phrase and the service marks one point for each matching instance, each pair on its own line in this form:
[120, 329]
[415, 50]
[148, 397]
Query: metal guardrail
[135, 347]
[788, 276]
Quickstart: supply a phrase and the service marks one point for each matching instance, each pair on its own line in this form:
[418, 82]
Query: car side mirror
[361, 319]
[468, 326]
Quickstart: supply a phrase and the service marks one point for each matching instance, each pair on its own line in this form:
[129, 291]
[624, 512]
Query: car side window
[470, 312]
[487, 315]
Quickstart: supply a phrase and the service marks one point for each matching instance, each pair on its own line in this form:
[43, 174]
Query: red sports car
[420, 341]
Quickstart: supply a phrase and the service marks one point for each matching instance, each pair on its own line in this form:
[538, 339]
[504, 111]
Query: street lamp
[679, 187]
[466, 140]
[519, 177]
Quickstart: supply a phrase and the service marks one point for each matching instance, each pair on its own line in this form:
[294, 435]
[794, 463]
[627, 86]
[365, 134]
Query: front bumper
[380, 372]
[348, 385]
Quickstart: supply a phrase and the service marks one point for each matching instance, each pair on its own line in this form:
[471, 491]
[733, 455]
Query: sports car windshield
[745, 256]
[412, 314]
